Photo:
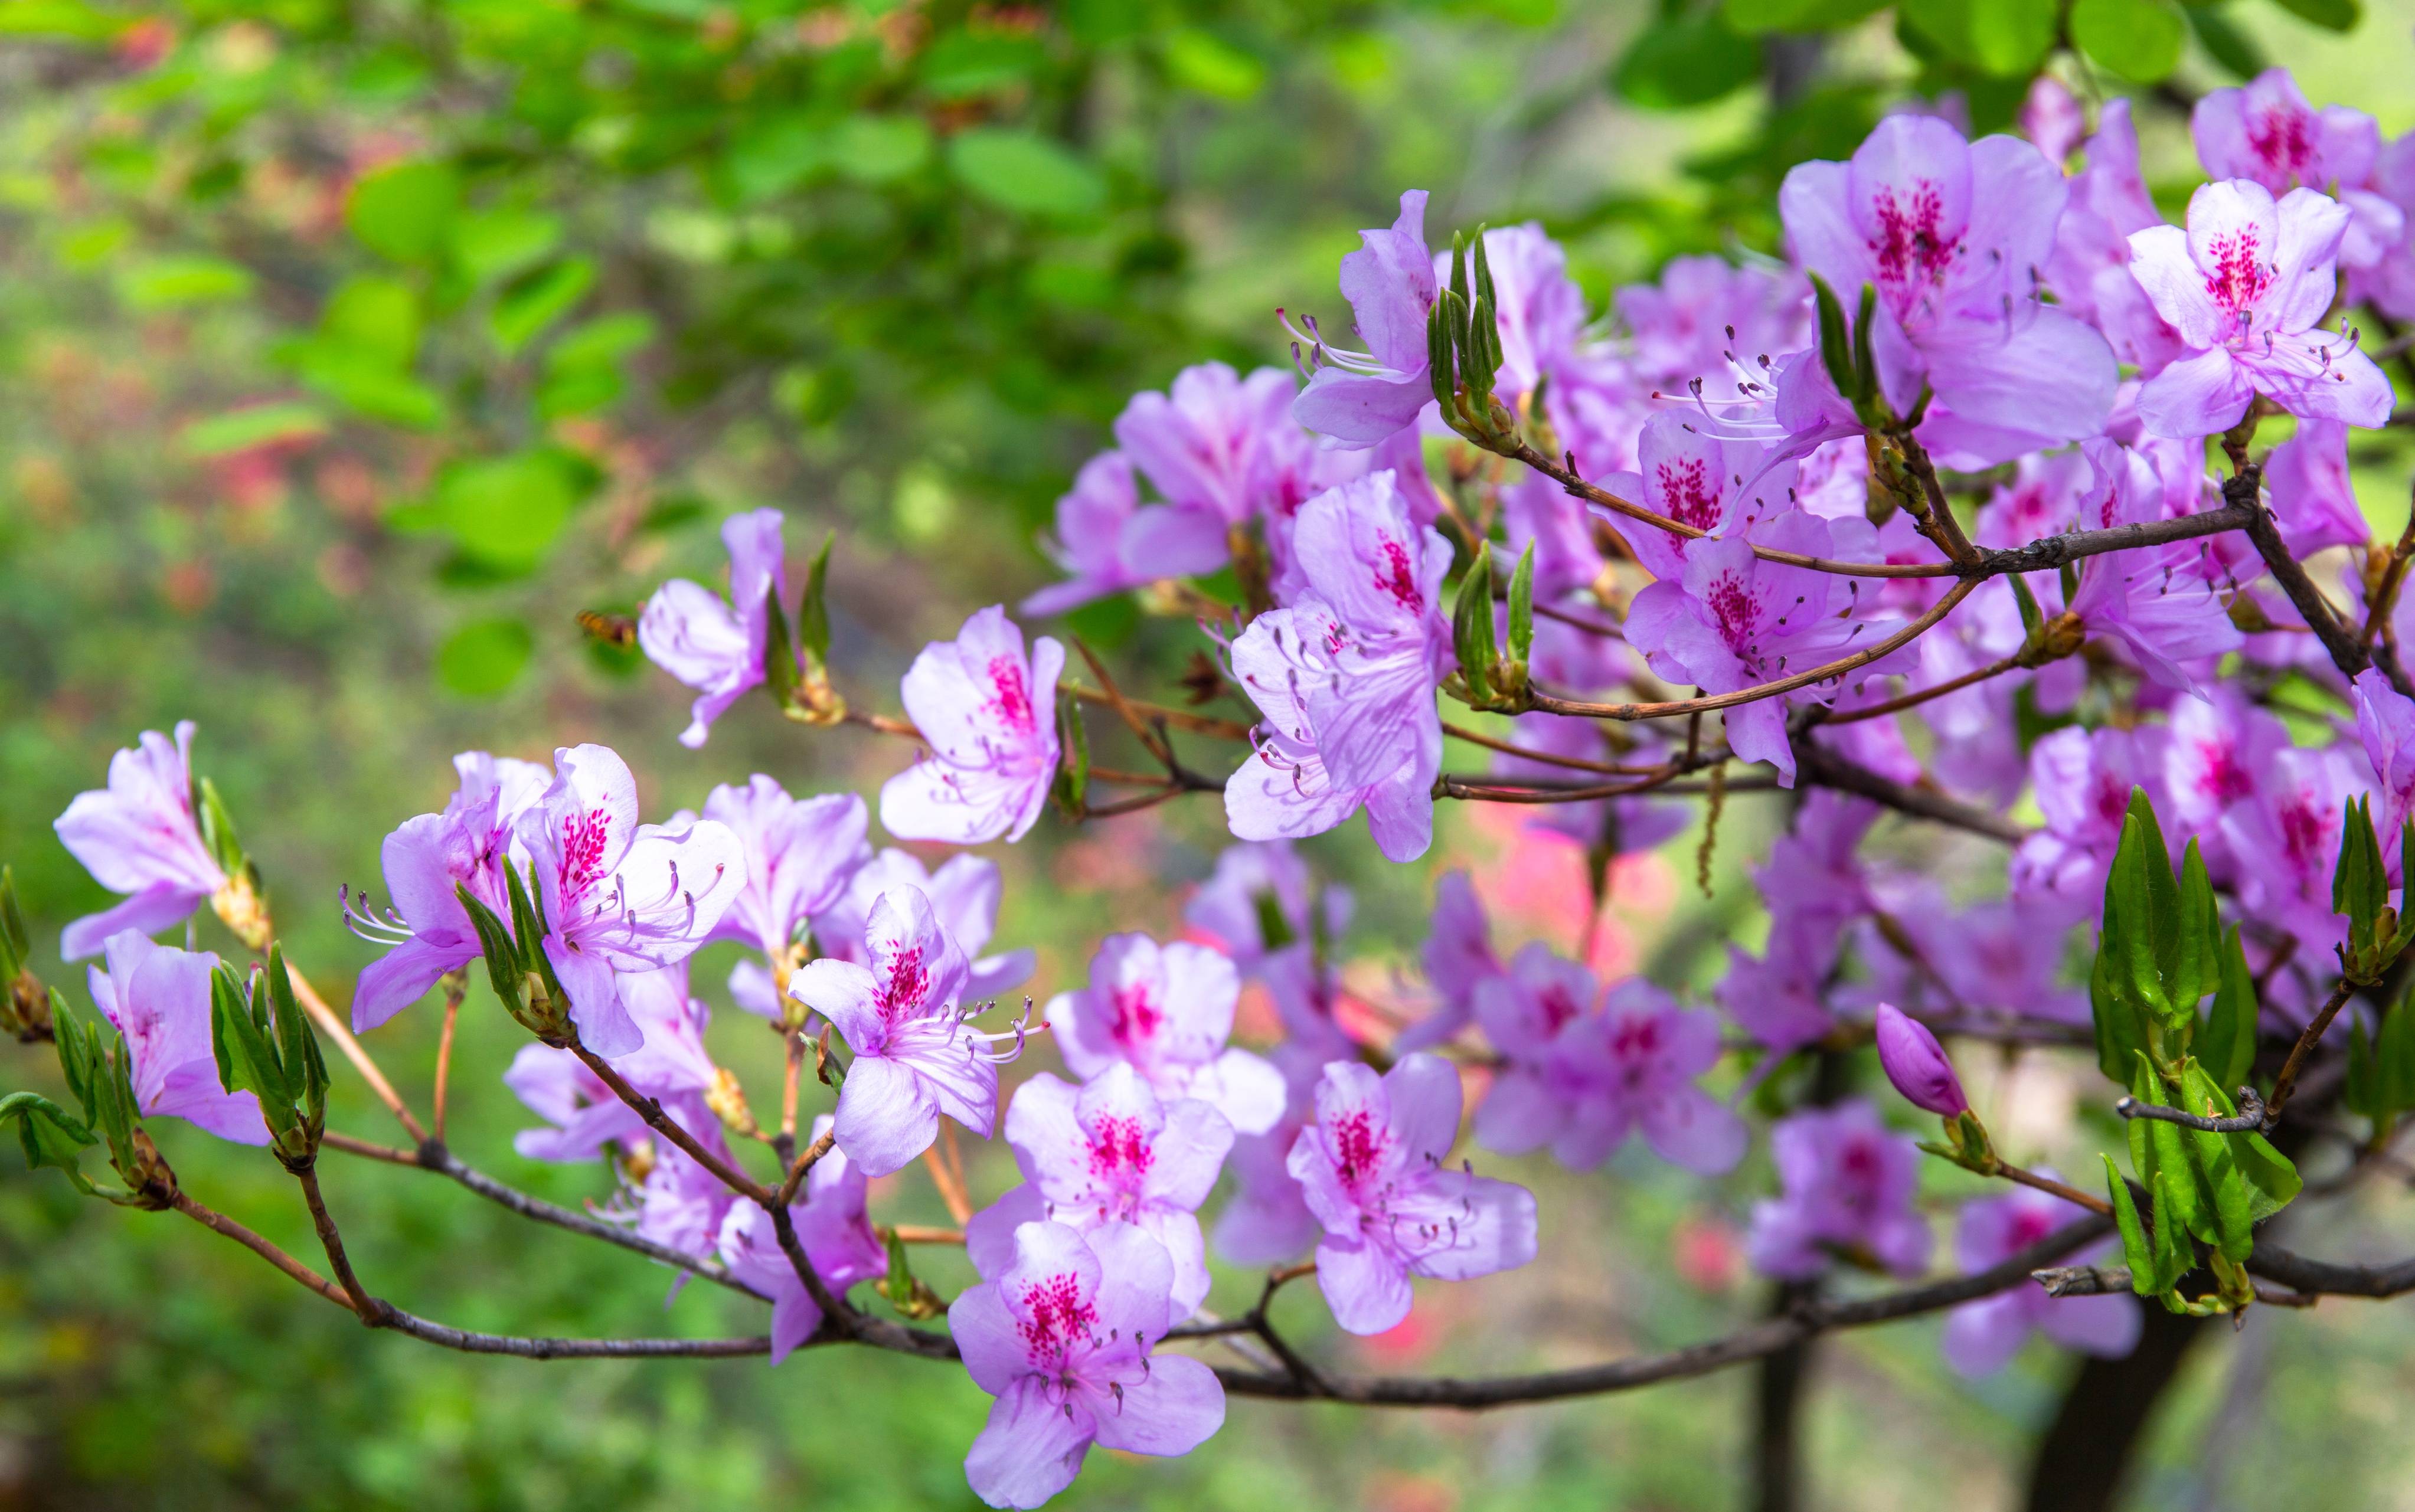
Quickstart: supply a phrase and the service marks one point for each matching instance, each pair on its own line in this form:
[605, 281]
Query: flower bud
[1916, 1064]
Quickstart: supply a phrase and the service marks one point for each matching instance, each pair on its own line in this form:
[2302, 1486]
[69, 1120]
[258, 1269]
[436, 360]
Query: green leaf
[536, 300]
[1522, 608]
[1685, 60]
[2228, 1208]
[2393, 1057]
[881, 149]
[49, 1134]
[495, 943]
[1749, 17]
[16, 944]
[483, 658]
[2333, 15]
[372, 321]
[2174, 1255]
[240, 1042]
[2137, 1250]
[175, 282]
[1027, 173]
[499, 244]
[775, 152]
[960, 65]
[1835, 346]
[2139, 40]
[2196, 968]
[1472, 623]
[2224, 42]
[1205, 64]
[505, 512]
[253, 424]
[405, 211]
[2033, 618]
[2228, 1046]
[2121, 1030]
[2007, 38]
[813, 611]
[368, 386]
[2362, 1092]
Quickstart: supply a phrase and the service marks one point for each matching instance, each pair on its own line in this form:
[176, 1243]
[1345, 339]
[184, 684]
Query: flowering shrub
[1993, 537]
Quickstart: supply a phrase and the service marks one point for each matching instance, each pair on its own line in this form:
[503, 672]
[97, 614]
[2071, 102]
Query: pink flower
[1110, 542]
[2267, 132]
[1982, 1337]
[618, 895]
[160, 1000]
[1361, 399]
[470, 845]
[1261, 899]
[915, 1057]
[1372, 1165]
[963, 895]
[1847, 1183]
[1166, 1011]
[139, 836]
[831, 1228]
[2164, 612]
[1217, 446]
[1267, 1220]
[713, 647]
[671, 1065]
[799, 857]
[2084, 779]
[989, 715]
[1063, 1339]
[2385, 725]
[1459, 960]
[1953, 235]
[1108, 1152]
[2090, 269]
[1721, 487]
[1917, 1064]
[1346, 679]
[2313, 500]
[2244, 286]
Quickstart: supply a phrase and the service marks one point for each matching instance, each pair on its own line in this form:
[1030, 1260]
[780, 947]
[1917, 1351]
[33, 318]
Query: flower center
[1120, 1152]
[2283, 140]
[1687, 495]
[909, 983]
[1058, 1317]
[1013, 703]
[583, 849]
[1396, 577]
[2238, 279]
[1358, 1144]
[1136, 1017]
[1911, 245]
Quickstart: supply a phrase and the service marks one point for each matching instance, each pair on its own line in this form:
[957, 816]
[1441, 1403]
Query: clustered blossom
[139, 836]
[715, 647]
[988, 714]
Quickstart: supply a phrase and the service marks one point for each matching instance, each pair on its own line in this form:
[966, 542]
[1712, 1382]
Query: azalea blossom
[988, 714]
[1109, 1152]
[964, 893]
[915, 1057]
[1982, 1337]
[1372, 1167]
[1166, 1011]
[1110, 542]
[2244, 286]
[2265, 130]
[1215, 445]
[618, 895]
[1847, 1184]
[1260, 899]
[831, 1227]
[139, 836]
[1064, 1339]
[716, 647]
[158, 999]
[799, 854]
[1361, 399]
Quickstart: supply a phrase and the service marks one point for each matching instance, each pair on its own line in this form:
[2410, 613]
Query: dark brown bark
[2088, 1448]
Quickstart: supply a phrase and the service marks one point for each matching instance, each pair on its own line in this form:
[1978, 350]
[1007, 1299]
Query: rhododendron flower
[1731, 621]
[1540, 308]
[160, 1000]
[2244, 286]
[1063, 1339]
[989, 716]
[1458, 959]
[1847, 1184]
[1953, 235]
[1372, 1167]
[1721, 487]
[1917, 1064]
[1711, 322]
[715, 647]
[1361, 398]
[1166, 1011]
[469, 845]
[963, 895]
[2083, 780]
[1267, 1220]
[1216, 446]
[2162, 612]
[834, 1231]
[1982, 1337]
[139, 836]
[2314, 502]
[799, 854]
[1346, 678]
[618, 895]
[2051, 118]
[671, 1066]
[2090, 269]
[1111, 542]
[2266, 131]
[915, 1057]
[1109, 1152]
[2385, 724]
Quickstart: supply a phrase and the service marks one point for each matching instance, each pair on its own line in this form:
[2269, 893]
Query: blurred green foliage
[349, 349]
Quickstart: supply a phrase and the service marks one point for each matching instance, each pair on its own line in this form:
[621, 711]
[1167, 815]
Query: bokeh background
[346, 350]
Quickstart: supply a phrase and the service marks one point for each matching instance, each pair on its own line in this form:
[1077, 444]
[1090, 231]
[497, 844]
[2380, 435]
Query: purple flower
[2161, 611]
[989, 716]
[1709, 321]
[799, 856]
[2385, 724]
[915, 1057]
[2313, 500]
[1534, 1015]
[964, 896]
[1981, 1336]
[160, 1000]
[1847, 1184]
[1267, 1220]
[2082, 780]
[1732, 621]
[138, 837]
[2286, 838]
[1108, 1152]
[1110, 542]
[1260, 899]
[1540, 309]
[426, 859]
[1916, 1064]
[1361, 398]
[2050, 117]
[1458, 959]
[671, 1065]
[1166, 1011]
[2267, 132]
[1373, 1168]
[1346, 679]
[1953, 235]
[1721, 488]
[2389, 283]
[715, 647]
[618, 895]
[2005, 955]
[2244, 286]
[2089, 268]
[1063, 1340]
[1218, 445]
[832, 1230]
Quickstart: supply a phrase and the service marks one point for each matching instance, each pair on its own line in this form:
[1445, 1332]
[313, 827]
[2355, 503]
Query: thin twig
[2252, 1118]
[669, 1128]
[456, 984]
[805, 1164]
[2287, 1081]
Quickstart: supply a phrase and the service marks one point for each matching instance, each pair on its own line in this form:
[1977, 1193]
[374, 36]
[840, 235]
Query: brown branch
[805, 1164]
[263, 1248]
[669, 1128]
[1823, 767]
[457, 984]
[370, 1309]
[2286, 1082]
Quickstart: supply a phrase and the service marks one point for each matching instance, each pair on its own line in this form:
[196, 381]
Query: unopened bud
[1917, 1065]
[243, 910]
